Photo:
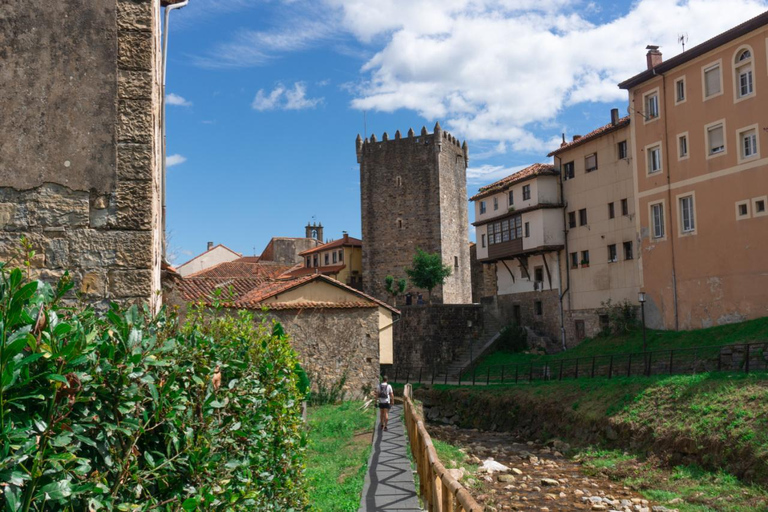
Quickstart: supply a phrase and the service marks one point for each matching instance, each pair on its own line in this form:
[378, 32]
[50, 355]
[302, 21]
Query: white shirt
[389, 393]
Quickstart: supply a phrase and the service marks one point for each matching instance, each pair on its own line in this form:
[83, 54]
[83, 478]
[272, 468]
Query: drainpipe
[567, 266]
[168, 9]
[666, 150]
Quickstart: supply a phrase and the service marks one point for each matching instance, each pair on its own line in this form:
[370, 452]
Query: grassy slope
[683, 423]
[743, 332]
[337, 459]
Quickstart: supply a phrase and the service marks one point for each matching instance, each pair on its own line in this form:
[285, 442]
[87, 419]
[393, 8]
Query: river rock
[550, 482]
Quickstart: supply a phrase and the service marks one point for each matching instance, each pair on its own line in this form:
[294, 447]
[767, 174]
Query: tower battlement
[414, 196]
[439, 139]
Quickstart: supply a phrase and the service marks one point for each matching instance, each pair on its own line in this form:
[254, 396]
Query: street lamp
[641, 299]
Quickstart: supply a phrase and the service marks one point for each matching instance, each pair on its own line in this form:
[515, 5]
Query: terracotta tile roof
[301, 270]
[603, 130]
[256, 297]
[347, 241]
[249, 259]
[528, 173]
[202, 288]
[319, 305]
[241, 268]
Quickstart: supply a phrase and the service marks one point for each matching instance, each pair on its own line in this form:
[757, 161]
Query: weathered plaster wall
[432, 336]
[332, 343]
[79, 156]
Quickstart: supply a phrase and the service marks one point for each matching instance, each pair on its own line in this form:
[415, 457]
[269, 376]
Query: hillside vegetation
[632, 341]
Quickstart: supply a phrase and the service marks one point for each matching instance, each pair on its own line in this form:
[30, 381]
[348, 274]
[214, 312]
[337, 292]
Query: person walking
[386, 399]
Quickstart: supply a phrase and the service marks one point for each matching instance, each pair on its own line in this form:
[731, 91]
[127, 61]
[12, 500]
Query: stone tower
[414, 195]
[80, 153]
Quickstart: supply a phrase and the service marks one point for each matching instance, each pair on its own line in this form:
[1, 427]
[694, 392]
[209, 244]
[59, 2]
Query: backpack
[383, 395]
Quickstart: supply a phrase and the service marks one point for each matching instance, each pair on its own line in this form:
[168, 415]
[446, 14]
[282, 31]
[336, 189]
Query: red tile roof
[300, 270]
[242, 268]
[603, 130]
[347, 241]
[202, 288]
[528, 173]
[256, 297]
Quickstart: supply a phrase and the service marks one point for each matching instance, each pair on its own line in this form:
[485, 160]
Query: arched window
[314, 234]
[743, 73]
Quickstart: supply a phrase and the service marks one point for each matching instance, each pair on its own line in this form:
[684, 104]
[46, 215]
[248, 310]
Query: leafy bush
[622, 316]
[513, 338]
[127, 411]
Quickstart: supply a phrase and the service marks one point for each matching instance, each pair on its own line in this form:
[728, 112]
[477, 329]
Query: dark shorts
[385, 406]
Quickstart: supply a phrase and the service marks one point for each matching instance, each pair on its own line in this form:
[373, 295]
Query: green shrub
[622, 316]
[127, 411]
[513, 338]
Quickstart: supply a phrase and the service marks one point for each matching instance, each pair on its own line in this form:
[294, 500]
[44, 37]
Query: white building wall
[522, 283]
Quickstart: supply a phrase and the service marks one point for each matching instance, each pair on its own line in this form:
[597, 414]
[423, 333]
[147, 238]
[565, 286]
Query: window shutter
[716, 138]
[712, 81]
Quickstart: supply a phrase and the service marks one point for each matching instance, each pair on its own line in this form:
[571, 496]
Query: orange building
[699, 136]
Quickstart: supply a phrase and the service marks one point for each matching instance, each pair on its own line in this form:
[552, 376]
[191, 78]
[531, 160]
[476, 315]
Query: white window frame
[755, 213]
[678, 101]
[695, 224]
[651, 221]
[687, 154]
[597, 162]
[738, 66]
[482, 240]
[482, 210]
[747, 215]
[707, 128]
[495, 203]
[740, 139]
[626, 150]
[646, 111]
[615, 253]
[716, 64]
[649, 162]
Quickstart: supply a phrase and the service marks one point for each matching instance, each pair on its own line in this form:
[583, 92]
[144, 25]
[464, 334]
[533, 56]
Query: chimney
[653, 57]
[614, 116]
[576, 137]
[346, 237]
[563, 143]
[210, 245]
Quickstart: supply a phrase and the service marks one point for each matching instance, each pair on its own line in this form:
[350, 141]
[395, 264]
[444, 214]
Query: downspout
[567, 267]
[168, 9]
[669, 199]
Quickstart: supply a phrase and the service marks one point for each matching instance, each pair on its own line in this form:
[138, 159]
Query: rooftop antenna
[682, 39]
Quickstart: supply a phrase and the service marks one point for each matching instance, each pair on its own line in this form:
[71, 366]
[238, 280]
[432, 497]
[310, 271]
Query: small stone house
[338, 331]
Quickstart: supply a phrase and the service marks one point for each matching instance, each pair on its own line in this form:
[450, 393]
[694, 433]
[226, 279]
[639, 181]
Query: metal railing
[439, 491]
[743, 357]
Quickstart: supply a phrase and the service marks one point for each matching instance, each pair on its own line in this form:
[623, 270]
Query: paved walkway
[389, 482]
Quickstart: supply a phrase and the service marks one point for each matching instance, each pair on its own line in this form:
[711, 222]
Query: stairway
[467, 355]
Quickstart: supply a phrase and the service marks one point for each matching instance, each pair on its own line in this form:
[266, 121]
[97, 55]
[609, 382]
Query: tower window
[400, 223]
[398, 181]
[456, 261]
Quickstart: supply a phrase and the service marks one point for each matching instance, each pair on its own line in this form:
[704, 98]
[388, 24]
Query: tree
[428, 271]
[394, 288]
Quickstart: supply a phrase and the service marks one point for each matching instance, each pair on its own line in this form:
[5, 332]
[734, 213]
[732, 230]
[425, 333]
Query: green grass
[699, 490]
[337, 458]
[743, 332]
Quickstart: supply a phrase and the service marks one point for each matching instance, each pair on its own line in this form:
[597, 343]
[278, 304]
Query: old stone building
[414, 195]
[80, 154]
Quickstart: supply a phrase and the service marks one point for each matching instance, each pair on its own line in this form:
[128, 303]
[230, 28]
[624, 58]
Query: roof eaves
[698, 50]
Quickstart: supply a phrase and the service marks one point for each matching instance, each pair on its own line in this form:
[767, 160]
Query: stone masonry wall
[502, 307]
[79, 161]
[432, 336]
[413, 195]
[332, 343]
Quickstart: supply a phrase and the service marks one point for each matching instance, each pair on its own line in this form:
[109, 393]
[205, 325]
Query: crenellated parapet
[439, 139]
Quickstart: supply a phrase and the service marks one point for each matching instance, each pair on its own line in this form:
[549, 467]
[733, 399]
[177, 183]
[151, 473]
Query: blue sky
[266, 97]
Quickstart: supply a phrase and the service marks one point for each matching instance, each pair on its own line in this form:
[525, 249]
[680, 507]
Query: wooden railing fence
[440, 492]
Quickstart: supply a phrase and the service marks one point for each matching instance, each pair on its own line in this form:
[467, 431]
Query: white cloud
[486, 174]
[282, 98]
[175, 99]
[172, 160]
[301, 26]
[500, 70]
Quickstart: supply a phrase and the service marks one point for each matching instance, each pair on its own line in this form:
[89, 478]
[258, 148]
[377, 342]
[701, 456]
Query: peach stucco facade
[700, 147]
